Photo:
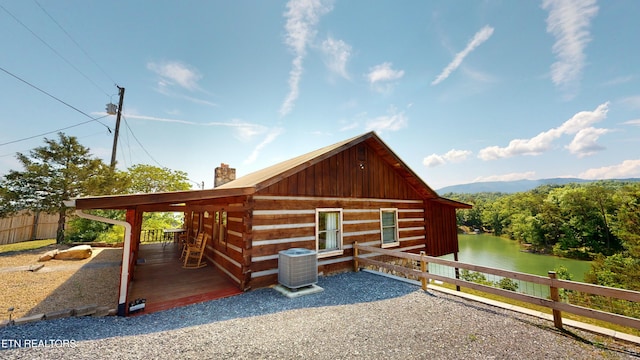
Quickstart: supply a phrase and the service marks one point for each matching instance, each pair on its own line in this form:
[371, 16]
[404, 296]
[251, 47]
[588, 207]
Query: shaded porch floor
[160, 279]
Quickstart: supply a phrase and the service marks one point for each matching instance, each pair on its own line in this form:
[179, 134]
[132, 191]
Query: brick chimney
[223, 175]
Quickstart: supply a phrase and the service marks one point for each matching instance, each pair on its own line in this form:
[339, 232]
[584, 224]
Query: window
[329, 232]
[389, 227]
[220, 227]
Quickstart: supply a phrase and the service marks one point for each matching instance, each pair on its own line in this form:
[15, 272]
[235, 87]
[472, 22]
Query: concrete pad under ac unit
[294, 293]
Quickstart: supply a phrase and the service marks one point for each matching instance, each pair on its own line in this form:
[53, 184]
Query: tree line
[597, 221]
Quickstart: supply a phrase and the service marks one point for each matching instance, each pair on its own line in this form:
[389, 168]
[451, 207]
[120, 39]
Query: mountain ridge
[516, 185]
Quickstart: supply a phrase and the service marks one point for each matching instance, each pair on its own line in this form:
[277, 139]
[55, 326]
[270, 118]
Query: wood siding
[442, 230]
[356, 172]
[228, 239]
[284, 222]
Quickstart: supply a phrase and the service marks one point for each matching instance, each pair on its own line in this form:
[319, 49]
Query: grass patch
[26, 245]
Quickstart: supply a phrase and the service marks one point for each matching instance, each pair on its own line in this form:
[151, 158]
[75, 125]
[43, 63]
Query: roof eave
[453, 203]
[166, 198]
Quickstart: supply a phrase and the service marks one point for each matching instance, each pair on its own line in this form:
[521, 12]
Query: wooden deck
[160, 279]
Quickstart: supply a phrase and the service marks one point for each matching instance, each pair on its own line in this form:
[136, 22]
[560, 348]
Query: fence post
[555, 296]
[356, 268]
[424, 269]
[34, 229]
[456, 270]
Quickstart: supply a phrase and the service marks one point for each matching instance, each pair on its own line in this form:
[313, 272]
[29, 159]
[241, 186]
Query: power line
[74, 41]
[145, 150]
[55, 98]
[22, 151]
[142, 146]
[52, 49]
[51, 132]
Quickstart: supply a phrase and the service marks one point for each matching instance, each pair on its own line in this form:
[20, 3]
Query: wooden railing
[155, 235]
[367, 255]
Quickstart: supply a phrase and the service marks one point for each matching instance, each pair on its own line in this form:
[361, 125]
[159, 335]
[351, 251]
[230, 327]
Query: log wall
[226, 221]
[284, 222]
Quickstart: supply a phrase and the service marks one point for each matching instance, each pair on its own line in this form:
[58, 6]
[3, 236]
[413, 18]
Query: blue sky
[461, 91]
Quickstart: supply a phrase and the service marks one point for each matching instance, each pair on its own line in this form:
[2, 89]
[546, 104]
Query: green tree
[139, 178]
[150, 179]
[52, 174]
[587, 210]
[622, 269]
[627, 221]
[550, 219]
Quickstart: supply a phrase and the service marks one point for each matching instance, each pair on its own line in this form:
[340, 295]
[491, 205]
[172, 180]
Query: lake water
[496, 252]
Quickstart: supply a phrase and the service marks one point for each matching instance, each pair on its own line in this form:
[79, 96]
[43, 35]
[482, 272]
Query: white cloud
[479, 76]
[481, 36]
[246, 132]
[632, 122]
[433, 160]
[543, 141]
[632, 101]
[453, 155]
[626, 169]
[507, 177]
[393, 121]
[569, 23]
[337, 54]
[271, 136]
[243, 131]
[584, 119]
[175, 72]
[383, 72]
[349, 126]
[456, 156]
[585, 142]
[381, 77]
[302, 18]
[619, 80]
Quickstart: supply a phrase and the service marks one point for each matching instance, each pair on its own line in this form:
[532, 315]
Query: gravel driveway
[359, 315]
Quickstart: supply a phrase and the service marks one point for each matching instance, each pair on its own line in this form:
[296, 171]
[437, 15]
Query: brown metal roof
[260, 179]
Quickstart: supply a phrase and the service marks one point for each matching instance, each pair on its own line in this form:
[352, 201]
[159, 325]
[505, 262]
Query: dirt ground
[60, 284]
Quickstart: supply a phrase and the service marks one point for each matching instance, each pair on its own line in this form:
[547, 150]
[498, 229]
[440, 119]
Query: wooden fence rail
[28, 226]
[554, 284]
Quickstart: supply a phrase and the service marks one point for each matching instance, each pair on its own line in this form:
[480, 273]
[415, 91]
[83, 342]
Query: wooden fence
[419, 268]
[28, 226]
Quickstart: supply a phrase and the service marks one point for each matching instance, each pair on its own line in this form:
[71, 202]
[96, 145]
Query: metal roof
[260, 179]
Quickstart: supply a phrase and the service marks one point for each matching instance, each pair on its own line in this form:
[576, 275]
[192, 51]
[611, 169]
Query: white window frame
[397, 232]
[333, 252]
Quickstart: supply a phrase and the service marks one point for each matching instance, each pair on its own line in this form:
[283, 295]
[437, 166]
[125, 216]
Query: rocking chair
[193, 253]
[186, 241]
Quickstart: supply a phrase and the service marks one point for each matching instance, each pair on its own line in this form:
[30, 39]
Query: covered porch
[156, 274]
[160, 278]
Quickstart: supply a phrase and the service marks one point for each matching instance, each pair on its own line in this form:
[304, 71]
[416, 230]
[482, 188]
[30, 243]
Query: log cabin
[357, 190]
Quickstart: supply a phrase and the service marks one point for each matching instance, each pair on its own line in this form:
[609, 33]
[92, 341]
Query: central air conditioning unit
[297, 267]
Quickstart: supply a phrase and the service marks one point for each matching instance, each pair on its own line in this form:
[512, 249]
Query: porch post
[126, 252]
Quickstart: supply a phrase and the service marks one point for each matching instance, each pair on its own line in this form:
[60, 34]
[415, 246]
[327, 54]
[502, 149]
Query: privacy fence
[612, 305]
[28, 226]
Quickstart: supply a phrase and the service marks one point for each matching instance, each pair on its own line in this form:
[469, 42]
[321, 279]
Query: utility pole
[115, 136]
